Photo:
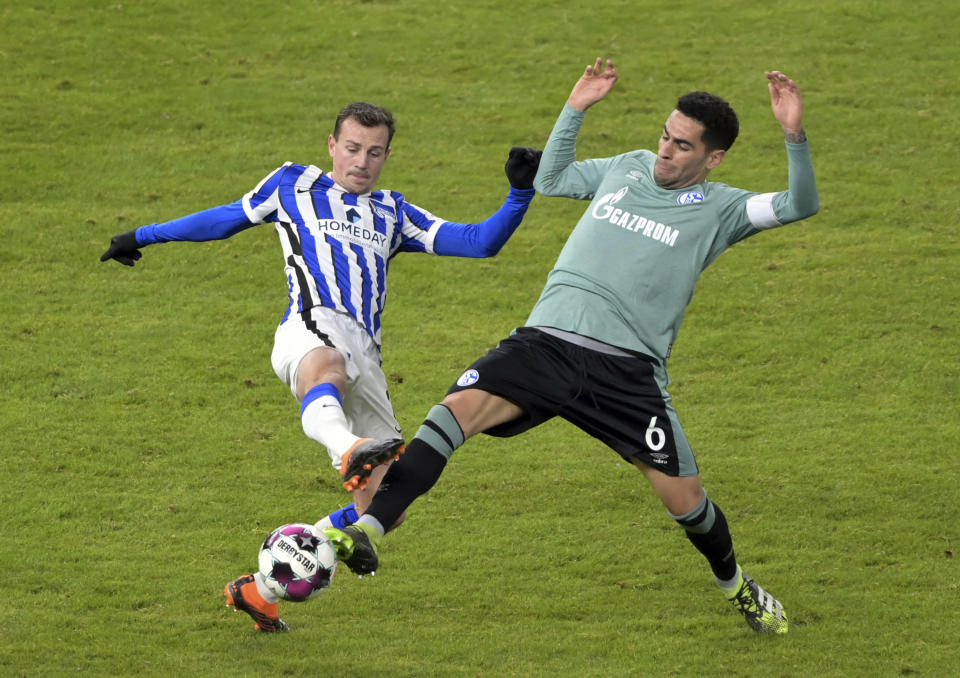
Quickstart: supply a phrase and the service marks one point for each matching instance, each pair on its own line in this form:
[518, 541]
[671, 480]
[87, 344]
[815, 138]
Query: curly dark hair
[367, 115]
[715, 115]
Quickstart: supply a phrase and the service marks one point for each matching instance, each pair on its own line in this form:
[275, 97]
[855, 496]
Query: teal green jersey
[626, 273]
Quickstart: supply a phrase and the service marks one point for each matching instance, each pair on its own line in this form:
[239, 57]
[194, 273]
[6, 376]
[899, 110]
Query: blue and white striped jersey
[337, 245]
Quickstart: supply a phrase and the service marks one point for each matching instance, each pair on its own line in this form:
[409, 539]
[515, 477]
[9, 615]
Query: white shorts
[366, 402]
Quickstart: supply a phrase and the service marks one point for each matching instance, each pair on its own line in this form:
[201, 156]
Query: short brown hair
[367, 115]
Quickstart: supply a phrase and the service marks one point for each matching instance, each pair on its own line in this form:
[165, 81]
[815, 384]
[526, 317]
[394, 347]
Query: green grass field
[147, 447]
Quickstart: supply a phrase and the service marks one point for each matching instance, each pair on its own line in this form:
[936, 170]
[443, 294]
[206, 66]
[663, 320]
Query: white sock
[372, 522]
[262, 589]
[323, 420]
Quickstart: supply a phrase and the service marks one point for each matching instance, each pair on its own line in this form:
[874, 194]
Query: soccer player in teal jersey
[595, 346]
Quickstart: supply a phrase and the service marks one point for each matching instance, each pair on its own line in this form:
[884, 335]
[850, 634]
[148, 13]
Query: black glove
[124, 248]
[522, 166]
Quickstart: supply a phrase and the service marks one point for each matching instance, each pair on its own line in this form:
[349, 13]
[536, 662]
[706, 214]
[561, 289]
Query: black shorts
[614, 398]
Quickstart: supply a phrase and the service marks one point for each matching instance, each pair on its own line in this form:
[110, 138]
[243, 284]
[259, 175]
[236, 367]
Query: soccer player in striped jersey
[338, 235]
[595, 346]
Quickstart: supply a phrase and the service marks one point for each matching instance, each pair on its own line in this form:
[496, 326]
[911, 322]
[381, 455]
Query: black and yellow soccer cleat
[763, 612]
[356, 547]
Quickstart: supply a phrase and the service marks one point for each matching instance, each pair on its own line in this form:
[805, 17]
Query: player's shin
[323, 420]
[706, 528]
[420, 466]
[411, 475]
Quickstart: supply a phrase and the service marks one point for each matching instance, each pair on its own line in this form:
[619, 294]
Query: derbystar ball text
[292, 550]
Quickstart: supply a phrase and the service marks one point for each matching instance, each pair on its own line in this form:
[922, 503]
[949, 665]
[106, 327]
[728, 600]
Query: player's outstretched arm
[594, 85]
[801, 200]
[216, 223]
[486, 238]
[787, 104]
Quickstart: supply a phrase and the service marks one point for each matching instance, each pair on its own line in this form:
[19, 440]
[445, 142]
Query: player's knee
[440, 432]
[321, 366]
[476, 410]
[699, 519]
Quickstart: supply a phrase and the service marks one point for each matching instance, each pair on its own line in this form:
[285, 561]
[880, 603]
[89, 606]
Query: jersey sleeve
[560, 174]
[423, 231]
[754, 212]
[485, 238]
[418, 227]
[216, 223]
[262, 203]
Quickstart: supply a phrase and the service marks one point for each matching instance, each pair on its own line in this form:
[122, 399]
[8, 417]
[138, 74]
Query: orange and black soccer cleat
[242, 594]
[365, 455]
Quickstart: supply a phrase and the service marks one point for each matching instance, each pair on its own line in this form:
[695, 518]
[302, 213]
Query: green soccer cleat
[356, 547]
[763, 612]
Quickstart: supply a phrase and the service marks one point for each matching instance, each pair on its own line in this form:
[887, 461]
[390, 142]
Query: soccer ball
[297, 561]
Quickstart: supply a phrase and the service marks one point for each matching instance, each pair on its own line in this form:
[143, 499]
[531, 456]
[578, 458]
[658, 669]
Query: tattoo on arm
[795, 137]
